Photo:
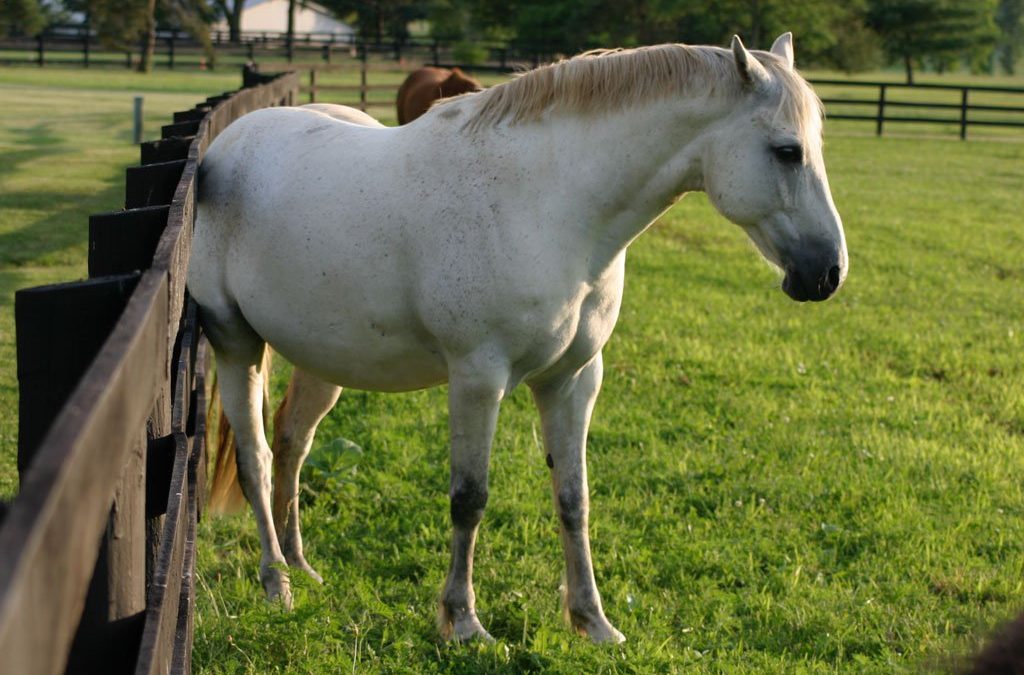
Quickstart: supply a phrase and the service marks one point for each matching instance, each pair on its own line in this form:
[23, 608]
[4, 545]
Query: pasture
[775, 487]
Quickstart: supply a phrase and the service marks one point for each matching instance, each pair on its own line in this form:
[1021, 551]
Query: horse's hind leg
[239, 353]
[565, 406]
[308, 399]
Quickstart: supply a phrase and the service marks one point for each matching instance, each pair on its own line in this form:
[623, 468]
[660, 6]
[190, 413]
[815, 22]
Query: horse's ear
[751, 70]
[783, 46]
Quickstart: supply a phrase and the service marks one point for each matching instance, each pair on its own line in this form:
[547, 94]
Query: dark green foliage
[941, 31]
[1010, 19]
[21, 17]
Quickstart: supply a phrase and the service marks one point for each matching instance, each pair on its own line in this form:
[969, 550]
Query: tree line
[850, 35]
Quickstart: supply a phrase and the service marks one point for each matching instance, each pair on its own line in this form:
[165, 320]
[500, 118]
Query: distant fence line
[318, 52]
[97, 550]
[880, 108]
[882, 105]
[78, 45]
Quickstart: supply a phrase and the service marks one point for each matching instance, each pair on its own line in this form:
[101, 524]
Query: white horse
[484, 245]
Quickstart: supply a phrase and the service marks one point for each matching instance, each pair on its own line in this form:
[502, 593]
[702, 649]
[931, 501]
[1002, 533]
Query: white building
[271, 16]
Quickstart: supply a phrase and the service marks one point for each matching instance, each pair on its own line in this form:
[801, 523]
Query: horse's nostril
[833, 277]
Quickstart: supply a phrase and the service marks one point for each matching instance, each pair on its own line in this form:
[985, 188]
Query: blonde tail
[225, 492]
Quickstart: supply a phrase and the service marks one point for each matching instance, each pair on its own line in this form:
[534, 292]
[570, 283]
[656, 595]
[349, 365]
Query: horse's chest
[570, 335]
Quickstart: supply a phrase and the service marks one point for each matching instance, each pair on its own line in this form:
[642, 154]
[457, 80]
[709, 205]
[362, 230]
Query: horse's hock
[97, 549]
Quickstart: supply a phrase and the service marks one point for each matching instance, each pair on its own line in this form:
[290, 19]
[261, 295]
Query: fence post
[327, 53]
[137, 121]
[433, 52]
[251, 55]
[881, 110]
[41, 59]
[60, 329]
[362, 82]
[312, 85]
[128, 60]
[85, 48]
[170, 50]
[963, 114]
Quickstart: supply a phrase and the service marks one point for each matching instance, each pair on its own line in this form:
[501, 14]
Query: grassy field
[776, 487]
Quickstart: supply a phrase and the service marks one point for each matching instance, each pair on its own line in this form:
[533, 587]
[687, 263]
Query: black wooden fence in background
[958, 109]
[96, 551]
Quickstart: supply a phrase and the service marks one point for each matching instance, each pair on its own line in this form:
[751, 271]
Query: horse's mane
[613, 79]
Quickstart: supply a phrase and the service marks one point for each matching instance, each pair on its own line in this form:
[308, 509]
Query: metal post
[963, 114]
[137, 121]
[881, 110]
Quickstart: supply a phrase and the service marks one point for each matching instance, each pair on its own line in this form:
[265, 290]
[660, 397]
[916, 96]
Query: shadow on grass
[64, 228]
[36, 141]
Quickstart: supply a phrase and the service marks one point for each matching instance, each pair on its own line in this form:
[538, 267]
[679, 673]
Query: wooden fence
[883, 108]
[96, 551]
[79, 45]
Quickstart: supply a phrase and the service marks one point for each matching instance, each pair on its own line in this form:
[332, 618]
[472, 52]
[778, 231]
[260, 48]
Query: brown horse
[428, 84]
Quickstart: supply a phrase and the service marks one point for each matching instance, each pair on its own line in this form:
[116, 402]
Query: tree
[912, 30]
[377, 19]
[123, 24]
[1010, 19]
[21, 17]
[191, 16]
[232, 11]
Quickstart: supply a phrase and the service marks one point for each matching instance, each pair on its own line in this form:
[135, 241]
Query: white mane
[605, 80]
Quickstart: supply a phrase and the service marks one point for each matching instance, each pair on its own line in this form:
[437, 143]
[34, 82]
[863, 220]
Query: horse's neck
[616, 172]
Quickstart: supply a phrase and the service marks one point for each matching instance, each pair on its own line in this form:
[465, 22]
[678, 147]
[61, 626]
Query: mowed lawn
[776, 487]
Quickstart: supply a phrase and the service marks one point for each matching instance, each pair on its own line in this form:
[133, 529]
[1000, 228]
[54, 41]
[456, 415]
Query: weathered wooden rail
[96, 551]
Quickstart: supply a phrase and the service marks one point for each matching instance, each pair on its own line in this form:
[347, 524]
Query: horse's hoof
[469, 631]
[606, 634]
[301, 564]
[465, 628]
[599, 630]
[275, 583]
[284, 597]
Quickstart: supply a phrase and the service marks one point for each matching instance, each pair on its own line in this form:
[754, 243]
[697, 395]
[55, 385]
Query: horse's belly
[363, 360]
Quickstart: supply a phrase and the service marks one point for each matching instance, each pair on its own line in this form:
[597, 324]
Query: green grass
[65, 139]
[776, 487]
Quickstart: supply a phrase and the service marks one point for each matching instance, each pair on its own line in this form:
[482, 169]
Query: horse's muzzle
[815, 282]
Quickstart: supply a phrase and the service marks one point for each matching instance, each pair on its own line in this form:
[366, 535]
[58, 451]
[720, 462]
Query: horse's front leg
[565, 406]
[473, 402]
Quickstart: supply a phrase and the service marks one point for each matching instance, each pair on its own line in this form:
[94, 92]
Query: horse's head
[459, 83]
[764, 171]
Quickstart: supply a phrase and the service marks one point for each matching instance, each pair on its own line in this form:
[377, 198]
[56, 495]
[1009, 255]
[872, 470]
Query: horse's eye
[789, 154]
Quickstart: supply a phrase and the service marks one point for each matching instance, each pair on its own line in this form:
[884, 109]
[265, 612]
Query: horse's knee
[468, 500]
[572, 508]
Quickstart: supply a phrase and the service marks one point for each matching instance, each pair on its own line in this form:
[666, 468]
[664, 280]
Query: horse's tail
[225, 492]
